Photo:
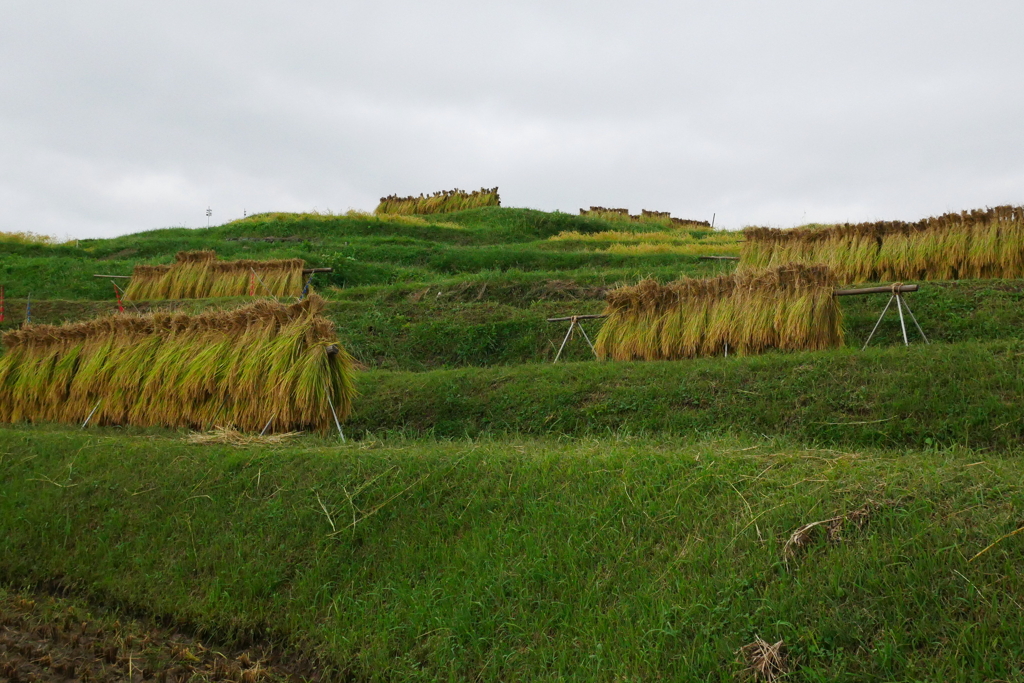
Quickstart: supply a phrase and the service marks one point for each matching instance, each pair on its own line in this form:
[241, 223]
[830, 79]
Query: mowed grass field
[495, 517]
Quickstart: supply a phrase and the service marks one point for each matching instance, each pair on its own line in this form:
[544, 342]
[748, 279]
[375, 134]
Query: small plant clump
[199, 275]
[790, 308]
[764, 661]
[28, 238]
[444, 201]
[264, 364]
[986, 243]
[657, 217]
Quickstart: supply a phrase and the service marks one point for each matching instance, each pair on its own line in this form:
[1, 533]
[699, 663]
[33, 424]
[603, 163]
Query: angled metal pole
[122, 298]
[336, 423]
[260, 278]
[914, 318]
[580, 325]
[903, 325]
[572, 324]
[267, 426]
[878, 323]
[92, 413]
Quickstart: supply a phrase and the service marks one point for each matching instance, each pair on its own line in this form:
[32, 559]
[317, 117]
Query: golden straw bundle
[445, 201]
[789, 308]
[972, 244]
[242, 368]
[198, 275]
[664, 218]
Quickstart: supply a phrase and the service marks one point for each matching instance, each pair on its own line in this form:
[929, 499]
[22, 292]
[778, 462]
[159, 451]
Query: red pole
[117, 293]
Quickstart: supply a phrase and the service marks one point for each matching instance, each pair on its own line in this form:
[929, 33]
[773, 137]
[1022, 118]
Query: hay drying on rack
[198, 275]
[789, 308]
[664, 218]
[242, 368]
[972, 244]
[445, 201]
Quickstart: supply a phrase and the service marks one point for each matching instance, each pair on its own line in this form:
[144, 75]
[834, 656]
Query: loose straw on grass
[230, 368]
[788, 308]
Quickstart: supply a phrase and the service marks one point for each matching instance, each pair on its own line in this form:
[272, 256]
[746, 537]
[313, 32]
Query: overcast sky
[124, 116]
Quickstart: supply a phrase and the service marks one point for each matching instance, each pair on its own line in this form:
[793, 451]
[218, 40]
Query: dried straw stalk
[198, 275]
[236, 368]
[445, 201]
[788, 308]
[972, 244]
[659, 217]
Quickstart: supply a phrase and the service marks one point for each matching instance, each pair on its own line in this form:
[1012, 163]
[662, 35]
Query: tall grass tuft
[444, 201]
[27, 238]
[789, 308]
[198, 275]
[663, 218]
[242, 368]
[984, 243]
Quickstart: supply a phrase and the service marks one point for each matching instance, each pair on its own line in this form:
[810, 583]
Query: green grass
[605, 522]
[363, 250]
[589, 560]
[942, 394]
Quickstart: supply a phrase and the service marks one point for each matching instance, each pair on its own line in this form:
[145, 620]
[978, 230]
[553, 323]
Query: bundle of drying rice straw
[973, 244]
[198, 275]
[789, 308]
[264, 362]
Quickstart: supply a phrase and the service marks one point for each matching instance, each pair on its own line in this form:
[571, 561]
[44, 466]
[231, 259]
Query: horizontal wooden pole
[876, 290]
[125, 277]
[578, 317]
[719, 258]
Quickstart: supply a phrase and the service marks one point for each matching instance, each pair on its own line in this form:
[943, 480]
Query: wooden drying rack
[896, 291]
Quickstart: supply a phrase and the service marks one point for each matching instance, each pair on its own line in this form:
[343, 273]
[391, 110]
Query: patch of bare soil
[52, 639]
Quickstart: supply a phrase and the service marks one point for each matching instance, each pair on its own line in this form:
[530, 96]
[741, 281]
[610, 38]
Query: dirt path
[54, 639]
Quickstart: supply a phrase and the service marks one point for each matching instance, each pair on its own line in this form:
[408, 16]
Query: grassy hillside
[589, 560]
[966, 394]
[363, 250]
[495, 517]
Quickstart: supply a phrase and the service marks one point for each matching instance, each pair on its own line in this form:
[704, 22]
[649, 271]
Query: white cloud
[122, 116]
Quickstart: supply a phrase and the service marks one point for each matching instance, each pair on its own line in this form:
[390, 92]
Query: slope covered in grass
[363, 250]
[966, 394]
[597, 555]
[589, 560]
